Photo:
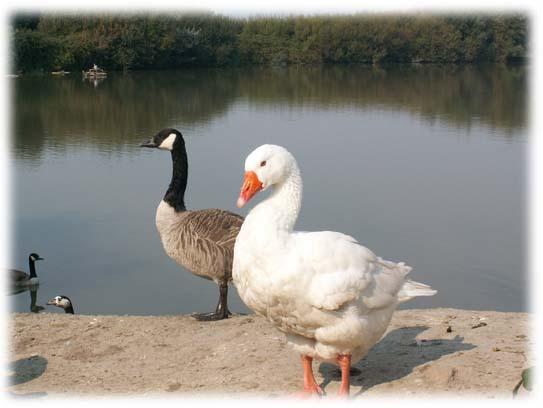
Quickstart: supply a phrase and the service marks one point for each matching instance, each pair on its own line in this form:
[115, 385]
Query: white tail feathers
[401, 266]
[411, 289]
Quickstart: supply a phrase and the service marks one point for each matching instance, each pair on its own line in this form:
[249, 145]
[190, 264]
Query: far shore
[424, 352]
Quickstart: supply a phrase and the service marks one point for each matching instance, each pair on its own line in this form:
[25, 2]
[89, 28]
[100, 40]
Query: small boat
[94, 73]
[59, 73]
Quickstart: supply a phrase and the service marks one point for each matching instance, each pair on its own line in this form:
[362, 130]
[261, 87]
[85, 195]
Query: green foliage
[25, 21]
[34, 51]
[158, 41]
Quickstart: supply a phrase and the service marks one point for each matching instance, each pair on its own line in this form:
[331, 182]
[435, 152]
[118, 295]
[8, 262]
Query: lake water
[425, 164]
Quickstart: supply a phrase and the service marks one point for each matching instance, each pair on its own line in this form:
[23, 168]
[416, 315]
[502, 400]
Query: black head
[166, 139]
[34, 257]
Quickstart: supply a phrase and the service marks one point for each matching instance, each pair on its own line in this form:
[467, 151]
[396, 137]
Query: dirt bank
[432, 351]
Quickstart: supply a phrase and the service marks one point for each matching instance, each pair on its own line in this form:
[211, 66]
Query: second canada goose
[202, 241]
[63, 302]
[21, 278]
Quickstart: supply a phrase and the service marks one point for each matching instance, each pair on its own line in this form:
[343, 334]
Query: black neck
[32, 268]
[69, 309]
[175, 196]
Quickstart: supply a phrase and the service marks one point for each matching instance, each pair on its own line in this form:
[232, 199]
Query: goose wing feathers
[340, 270]
[208, 238]
[218, 226]
[18, 276]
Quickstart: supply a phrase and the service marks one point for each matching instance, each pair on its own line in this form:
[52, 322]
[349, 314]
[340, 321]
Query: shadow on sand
[394, 357]
[26, 369]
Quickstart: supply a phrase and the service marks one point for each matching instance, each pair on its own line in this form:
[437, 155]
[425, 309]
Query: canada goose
[333, 297]
[62, 301]
[202, 241]
[21, 278]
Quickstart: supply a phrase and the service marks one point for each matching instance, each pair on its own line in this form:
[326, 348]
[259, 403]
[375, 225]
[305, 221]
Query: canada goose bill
[149, 143]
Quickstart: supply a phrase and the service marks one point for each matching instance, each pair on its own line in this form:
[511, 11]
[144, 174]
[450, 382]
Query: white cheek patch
[167, 144]
[64, 303]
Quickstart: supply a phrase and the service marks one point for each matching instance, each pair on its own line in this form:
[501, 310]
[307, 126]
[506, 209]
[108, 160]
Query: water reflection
[33, 292]
[66, 111]
[434, 155]
[94, 81]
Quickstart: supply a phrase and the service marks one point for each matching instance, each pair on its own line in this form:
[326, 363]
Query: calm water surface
[421, 164]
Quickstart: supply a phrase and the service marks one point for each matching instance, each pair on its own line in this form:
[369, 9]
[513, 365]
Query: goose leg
[310, 385]
[222, 306]
[221, 311]
[344, 361]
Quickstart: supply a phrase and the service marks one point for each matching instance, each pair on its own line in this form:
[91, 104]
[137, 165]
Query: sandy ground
[437, 351]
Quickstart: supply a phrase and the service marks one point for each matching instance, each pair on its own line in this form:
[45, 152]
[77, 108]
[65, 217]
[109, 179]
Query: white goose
[333, 297]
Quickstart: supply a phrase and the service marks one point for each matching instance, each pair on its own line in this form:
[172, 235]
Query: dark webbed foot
[221, 311]
[209, 317]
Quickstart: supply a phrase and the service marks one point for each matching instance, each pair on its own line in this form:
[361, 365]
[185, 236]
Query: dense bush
[157, 41]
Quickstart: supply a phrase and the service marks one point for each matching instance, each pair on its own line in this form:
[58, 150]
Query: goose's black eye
[262, 163]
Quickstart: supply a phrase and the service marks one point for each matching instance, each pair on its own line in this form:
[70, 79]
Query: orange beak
[251, 186]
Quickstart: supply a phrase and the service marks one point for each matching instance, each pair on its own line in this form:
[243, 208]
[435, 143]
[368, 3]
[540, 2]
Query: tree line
[156, 41]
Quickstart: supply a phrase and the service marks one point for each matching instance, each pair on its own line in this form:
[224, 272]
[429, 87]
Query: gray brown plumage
[17, 276]
[201, 241]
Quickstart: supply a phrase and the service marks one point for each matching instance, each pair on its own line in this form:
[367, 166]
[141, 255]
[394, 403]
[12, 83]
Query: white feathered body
[328, 293]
